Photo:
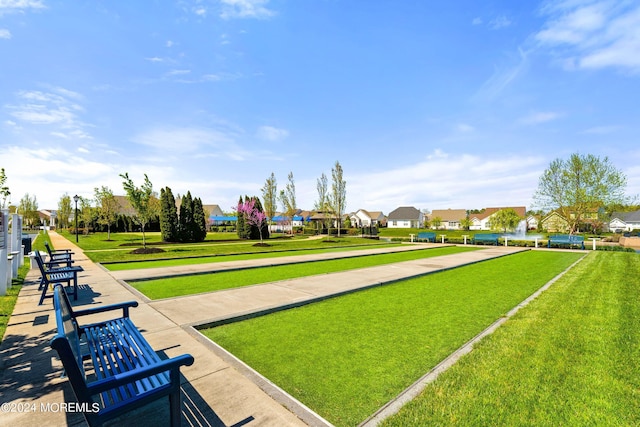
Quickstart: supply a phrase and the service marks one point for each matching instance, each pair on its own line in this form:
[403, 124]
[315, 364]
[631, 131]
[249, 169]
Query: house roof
[449, 214]
[627, 216]
[404, 213]
[520, 210]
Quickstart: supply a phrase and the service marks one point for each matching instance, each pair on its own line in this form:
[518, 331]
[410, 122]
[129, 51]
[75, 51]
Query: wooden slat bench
[112, 369]
[566, 240]
[426, 235]
[486, 238]
[51, 275]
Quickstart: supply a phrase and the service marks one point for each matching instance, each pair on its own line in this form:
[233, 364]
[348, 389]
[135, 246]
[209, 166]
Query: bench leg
[175, 401]
[43, 295]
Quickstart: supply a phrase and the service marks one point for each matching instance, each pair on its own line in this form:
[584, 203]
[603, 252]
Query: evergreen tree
[185, 226]
[199, 220]
[168, 216]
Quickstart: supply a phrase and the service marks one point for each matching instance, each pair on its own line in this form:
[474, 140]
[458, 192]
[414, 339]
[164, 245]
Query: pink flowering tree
[252, 214]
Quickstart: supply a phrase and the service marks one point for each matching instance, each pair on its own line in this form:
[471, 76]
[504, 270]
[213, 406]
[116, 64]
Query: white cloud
[198, 142]
[499, 22]
[593, 34]
[5, 34]
[503, 76]
[57, 111]
[476, 21]
[245, 9]
[445, 180]
[601, 130]
[464, 128]
[271, 133]
[19, 6]
[540, 117]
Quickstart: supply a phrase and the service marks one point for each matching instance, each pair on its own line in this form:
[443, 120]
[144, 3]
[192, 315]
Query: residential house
[625, 221]
[364, 218]
[405, 217]
[555, 222]
[482, 221]
[450, 219]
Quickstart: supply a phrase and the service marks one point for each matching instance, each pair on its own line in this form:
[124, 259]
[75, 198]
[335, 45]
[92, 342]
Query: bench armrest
[110, 307]
[139, 373]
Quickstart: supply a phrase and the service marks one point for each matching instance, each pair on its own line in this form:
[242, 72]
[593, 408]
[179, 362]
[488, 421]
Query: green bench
[566, 240]
[483, 238]
[426, 235]
[125, 372]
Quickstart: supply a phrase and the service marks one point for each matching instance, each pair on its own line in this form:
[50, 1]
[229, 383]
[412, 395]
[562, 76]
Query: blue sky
[436, 105]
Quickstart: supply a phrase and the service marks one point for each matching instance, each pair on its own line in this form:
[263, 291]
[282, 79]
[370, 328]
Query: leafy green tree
[270, 197]
[466, 223]
[107, 208]
[87, 215]
[199, 221]
[288, 199]
[4, 190]
[436, 222]
[28, 208]
[168, 216]
[64, 211]
[505, 220]
[338, 197]
[143, 201]
[578, 185]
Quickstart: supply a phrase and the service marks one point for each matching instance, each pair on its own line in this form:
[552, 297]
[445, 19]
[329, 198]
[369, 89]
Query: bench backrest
[426, 234]
[40, 262]
[67, 326]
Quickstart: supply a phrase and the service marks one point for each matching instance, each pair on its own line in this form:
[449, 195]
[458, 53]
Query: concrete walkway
[214, 391]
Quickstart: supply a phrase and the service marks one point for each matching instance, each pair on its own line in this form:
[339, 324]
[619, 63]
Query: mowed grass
[346, 357]
[237, 257]
[120, 247]
[187, 285]
[571, 358]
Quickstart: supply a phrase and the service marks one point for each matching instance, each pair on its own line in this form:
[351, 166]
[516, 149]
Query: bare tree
[288, 199]
[270, 196]
[338, 197]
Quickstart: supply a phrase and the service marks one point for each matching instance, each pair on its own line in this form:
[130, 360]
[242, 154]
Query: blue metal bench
[51, 274]
[126, 373]
[566, 240]
[486, 238]
[426, 235]
[62, 256]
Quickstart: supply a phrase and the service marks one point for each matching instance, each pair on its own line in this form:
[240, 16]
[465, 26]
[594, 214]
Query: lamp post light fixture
[75, 199]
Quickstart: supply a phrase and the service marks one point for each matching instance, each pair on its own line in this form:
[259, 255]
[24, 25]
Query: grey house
[405, 217]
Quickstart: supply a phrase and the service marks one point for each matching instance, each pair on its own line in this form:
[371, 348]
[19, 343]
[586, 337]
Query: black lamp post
[75, 199]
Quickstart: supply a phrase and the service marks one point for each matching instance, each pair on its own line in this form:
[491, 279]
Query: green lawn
[345, 357]
[119, 266]
[119, 248]
[187, 285]
[570, 358]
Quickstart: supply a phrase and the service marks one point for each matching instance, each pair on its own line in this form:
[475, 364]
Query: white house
[482, 221]
[364, 218]
[405, 217]
[625, 221]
